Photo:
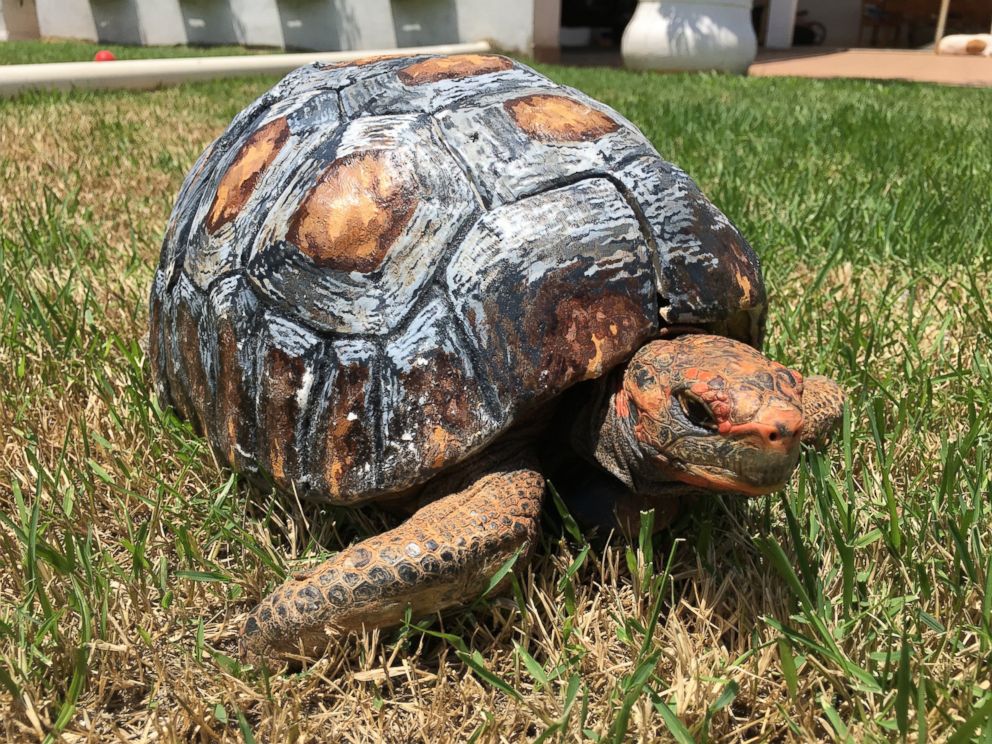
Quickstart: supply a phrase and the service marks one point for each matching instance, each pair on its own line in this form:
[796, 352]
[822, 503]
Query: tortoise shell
[381, 266]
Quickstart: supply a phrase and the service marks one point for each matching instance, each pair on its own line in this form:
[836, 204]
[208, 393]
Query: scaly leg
[823, 408]
[441, 557]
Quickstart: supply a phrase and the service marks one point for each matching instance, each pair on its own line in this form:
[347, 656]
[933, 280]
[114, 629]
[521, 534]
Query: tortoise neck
[600, 434]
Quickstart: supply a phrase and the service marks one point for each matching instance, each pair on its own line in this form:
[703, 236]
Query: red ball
[104, 55]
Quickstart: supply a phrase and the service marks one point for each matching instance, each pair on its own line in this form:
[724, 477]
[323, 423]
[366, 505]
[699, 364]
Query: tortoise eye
[697, 411]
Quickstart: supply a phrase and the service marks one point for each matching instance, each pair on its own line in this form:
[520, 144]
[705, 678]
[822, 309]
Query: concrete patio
[874, 64]
[922, 66]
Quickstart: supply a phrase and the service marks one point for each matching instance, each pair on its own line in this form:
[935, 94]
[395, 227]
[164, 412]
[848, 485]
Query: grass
[855, 606]
[59, 50]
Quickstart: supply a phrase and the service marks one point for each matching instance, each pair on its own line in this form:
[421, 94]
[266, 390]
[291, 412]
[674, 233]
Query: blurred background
[570, 30]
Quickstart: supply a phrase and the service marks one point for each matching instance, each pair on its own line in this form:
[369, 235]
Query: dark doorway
[591, 30]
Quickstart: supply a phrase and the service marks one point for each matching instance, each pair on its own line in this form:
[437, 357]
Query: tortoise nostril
[781, 433]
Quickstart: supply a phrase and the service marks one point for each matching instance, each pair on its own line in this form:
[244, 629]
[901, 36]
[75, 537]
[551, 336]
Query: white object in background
[781, 24]
[976, 45]
[153, 73]
[257, 23]
[945, 6]
[161, 22]
[547, 27]
[690, 35]
[68, 19]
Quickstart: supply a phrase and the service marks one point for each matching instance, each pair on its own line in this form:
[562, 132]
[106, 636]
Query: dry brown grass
[128, 557]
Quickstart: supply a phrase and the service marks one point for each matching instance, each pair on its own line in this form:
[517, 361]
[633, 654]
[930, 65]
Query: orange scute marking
[242, 176]
[361, 61]
[351, 218]
[553, 118]
[745, 284]
[338, 462]
[455, 67]
[442, 440]
[594, 368]
[744, 274]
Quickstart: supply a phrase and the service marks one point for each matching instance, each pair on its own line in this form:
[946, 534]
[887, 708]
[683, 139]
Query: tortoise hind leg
[441, 557]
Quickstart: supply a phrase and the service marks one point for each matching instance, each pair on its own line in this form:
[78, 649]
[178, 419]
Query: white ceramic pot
[690, 35]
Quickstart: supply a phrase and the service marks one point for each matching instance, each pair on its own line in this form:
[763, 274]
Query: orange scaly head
[713, 413]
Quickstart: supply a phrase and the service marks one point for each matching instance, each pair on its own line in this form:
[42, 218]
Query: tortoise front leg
[823, 408]
[441, 557]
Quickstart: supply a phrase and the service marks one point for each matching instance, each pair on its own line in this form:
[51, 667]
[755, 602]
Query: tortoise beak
[767, 448]
[761, 456]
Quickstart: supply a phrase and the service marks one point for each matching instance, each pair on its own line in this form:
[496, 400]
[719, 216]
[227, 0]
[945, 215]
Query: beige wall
[547, 27]
[18, 20]
[329, 25]
[509, 24]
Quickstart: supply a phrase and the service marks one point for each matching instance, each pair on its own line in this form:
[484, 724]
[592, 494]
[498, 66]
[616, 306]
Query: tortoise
[390, 280]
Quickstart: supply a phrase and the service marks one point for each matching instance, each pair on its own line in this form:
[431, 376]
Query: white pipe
[152, 73]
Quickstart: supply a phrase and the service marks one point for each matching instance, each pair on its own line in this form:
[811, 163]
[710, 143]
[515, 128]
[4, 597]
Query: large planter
[690, 35]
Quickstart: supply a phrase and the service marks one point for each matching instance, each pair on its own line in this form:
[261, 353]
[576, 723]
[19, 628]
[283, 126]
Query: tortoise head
[712, 413]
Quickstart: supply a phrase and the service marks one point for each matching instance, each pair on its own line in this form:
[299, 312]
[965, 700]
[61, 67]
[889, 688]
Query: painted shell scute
[381, 266]
[514, 146]
[249, 178]
[187, 353]
[288, 358]
[232, 314]
[346, 422]
[356, 226]
[549, 307]
[708, 273]
[301, 84]
[434, 402]
[359, 72]
[437, 83]
[157, 340]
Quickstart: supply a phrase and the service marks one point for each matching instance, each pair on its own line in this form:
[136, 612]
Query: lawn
[855, 606]
[58, 50]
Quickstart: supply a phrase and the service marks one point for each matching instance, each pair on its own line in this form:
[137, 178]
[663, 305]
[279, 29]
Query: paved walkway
[875, 64]
[820, 62]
